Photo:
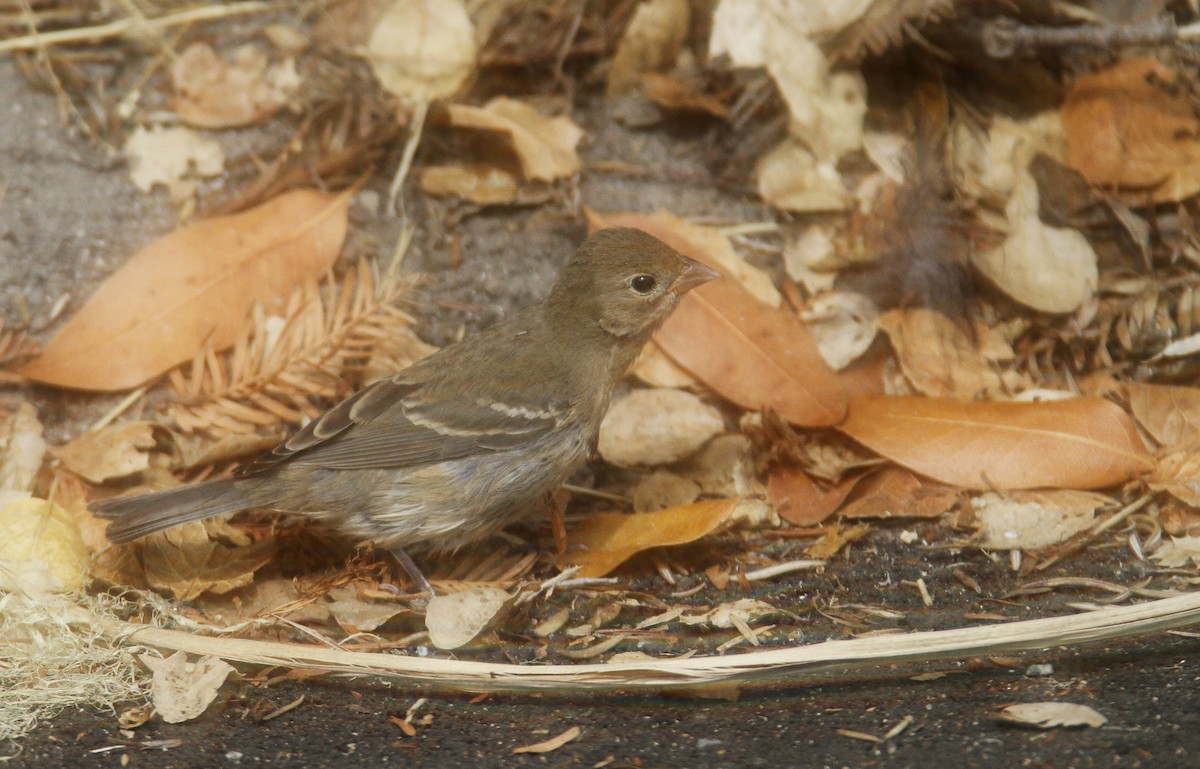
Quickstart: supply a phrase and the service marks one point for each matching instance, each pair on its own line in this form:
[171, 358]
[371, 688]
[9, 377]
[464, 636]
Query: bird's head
[625, 281]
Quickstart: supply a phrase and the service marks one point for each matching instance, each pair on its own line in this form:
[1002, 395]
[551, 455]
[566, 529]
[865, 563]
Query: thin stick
[415, 129]
[116, 28]
[772, 665]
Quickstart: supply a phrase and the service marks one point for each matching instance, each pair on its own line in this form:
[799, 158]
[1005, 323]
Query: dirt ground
[69, 215]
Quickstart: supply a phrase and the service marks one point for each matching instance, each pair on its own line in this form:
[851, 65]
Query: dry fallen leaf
[116, 451]
[1048, 715]
[1178, 474]
[651, 42]
[1028, 520]
[182, 690]
[1051, 269]
[1170, 414]
[937, 356]
[211, 93]
[755, 355]
[1178, 552]
[22, 448]
[844, 324]
[453, 620]
[544, 146]
[606, 540]
[174, 157]
[1078, 443]
[835, 538]
[656, 427]
[188, 562]
[801, 501]
[483, 185]
[554, 743]
[40, 546]
[423, 49]
[897, 493]
[1132, 128]
[193, 287]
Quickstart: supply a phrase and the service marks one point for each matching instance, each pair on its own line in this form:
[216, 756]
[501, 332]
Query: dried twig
[830, 656]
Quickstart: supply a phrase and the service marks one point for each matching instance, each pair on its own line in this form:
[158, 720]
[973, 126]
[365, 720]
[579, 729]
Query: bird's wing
[390, 425]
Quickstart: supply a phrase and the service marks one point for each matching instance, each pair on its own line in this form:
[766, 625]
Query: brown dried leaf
[1131, 127]
[193, 287]
[188, 562]
[1080, 443]
[116, 451]
[606, 540]
[835, 538]
[211, 93]
[483, 185]
[754, 355]
[651, 43]
[936, 355]
[896, 493]
[801, 501]
[544, 146]
[1178, 474]
[673, 93]
[1170, 414]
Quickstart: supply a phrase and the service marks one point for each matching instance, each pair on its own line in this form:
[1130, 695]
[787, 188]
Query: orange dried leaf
[897, 493]
[192, 287]
[544, 146]
[1080, 443]
[755, 355]
[1170, 414]
[1132, 127]
[801, 501]
[606, 540]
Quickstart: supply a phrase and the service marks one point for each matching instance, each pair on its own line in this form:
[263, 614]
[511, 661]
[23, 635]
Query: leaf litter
[962, 455]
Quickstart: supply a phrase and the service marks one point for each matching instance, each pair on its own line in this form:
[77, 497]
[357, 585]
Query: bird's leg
[556, 503]
[410, 566]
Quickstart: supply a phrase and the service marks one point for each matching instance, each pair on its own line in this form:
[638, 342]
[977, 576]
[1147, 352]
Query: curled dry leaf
[22, 449]
[1051, 269]
[897, 493]
[453, 620]
[211, 93]
[554, 743]
[174, 157]
[937, 356]
[1132, 127]
[844, 325]
[182, 690]
[1170, 414]
[482, 185]
[1178, 474]
[755, 355]
[802, 501]
[1028, 520]
[606, 540]
[1049, 715]
[40, 547]
[544, 146]
[187, 561]
[193, 287]
[1178, 552]
[651, 42]
[656, 427]
[115, 451]
[1079, 443]
[423, 49]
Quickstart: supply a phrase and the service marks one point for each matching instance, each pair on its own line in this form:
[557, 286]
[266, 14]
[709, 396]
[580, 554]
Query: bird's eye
[643, 284]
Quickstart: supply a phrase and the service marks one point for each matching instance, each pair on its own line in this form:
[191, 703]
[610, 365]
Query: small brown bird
[469, 439]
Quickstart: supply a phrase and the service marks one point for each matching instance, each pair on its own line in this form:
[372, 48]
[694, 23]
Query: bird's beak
[693, 275]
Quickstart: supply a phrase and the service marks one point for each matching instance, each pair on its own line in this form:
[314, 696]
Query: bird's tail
[135, 517]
